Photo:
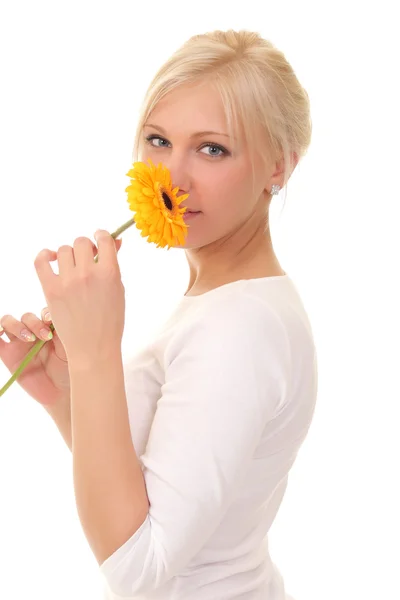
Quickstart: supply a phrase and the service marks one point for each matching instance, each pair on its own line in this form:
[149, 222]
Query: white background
[72, 76]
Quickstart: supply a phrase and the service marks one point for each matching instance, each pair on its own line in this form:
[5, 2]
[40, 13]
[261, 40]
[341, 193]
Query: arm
[61, 415]
[225, 379]
[110, 491]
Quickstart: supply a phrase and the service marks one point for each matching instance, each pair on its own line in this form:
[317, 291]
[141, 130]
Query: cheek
[146, 153]
[227, 189]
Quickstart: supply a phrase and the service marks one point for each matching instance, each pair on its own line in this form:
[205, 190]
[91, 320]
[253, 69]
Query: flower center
[167, 200]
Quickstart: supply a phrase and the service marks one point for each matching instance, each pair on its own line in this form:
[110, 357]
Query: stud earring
[275, 189]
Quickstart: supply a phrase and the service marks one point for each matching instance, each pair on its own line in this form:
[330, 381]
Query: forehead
[196, 106]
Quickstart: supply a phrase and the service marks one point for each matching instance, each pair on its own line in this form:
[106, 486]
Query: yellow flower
[158, 213]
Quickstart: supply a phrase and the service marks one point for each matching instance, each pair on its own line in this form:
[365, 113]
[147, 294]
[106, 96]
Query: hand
[87, 299]
[46, 377]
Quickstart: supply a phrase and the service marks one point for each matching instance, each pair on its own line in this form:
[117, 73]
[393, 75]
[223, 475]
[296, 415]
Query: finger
[79, 253]
[106, 247]
[118, 243]
[68, 259]
[58, 346]
[45, 315]
[36, 326]
[42, 265]
[83, 250]
[65, 259]
[15, 330]
[117, 247]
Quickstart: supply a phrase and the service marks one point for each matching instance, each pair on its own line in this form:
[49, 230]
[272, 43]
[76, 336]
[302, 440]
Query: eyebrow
[194, 135]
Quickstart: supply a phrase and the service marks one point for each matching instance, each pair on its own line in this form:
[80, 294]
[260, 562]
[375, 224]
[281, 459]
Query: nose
[180, 175]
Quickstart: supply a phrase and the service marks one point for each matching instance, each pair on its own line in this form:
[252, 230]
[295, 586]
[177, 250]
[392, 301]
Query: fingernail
[27, 335]
[45, 334]
[47, 317]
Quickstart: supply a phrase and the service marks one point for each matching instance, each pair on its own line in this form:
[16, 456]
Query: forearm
[61, 415]
[110, 490]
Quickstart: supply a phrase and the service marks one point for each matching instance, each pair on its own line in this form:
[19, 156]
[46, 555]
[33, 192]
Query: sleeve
[225, 378]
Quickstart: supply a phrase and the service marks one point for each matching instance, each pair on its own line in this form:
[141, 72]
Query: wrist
[98, 361]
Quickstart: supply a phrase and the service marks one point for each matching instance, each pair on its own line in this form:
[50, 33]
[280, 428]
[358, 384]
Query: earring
[275, 189]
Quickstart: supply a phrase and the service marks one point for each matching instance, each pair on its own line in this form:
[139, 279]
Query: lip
[189, 214]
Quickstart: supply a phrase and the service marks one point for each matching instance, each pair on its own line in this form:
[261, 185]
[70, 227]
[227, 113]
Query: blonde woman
[220, 402]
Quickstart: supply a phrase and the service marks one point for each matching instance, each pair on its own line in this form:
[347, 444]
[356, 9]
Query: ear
[279, 169]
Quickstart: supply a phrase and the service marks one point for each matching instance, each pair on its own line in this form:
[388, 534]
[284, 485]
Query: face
[216, 175]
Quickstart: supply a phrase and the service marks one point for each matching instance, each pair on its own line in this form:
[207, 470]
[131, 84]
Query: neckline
[236, 282]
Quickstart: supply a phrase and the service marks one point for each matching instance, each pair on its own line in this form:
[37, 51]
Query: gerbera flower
[158, 213]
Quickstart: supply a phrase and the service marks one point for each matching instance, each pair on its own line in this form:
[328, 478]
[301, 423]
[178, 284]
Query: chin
[189, 244]
[194, 244]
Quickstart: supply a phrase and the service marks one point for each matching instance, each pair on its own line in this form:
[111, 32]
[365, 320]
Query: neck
[237, 256]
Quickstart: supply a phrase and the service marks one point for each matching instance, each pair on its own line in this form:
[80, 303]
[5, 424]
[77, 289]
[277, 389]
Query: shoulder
[235, 320]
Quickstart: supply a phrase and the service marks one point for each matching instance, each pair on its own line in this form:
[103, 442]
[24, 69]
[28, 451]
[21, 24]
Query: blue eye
[150, 138]
[220, 149]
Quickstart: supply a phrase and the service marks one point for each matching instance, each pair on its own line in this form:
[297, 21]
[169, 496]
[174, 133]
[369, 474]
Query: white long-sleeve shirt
[219, 405]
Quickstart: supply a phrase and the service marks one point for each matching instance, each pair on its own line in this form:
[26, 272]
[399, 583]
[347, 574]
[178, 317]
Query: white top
[219, 405]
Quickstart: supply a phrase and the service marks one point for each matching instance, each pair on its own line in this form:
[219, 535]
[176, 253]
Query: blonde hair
[262, 97]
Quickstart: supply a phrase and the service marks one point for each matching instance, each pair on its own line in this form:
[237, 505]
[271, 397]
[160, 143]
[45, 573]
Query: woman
[222, 399]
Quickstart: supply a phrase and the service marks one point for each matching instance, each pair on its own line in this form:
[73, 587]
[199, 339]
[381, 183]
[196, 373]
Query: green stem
[36, 348]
